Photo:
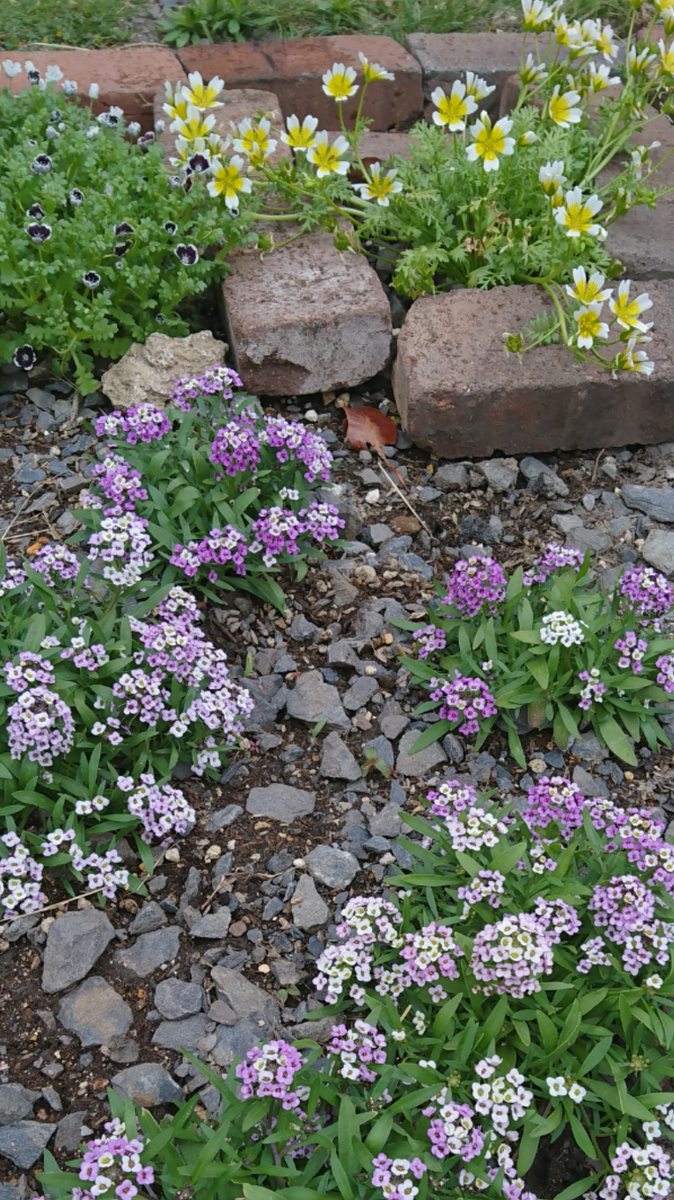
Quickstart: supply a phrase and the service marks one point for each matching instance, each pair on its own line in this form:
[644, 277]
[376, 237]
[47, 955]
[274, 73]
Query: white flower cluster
[562, 627]
[561, 1085]
[504, 1098]
[474, 829]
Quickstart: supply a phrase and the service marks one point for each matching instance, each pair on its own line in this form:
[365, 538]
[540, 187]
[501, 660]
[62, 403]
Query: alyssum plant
[509, 999]
[547, 644]
[99, 243]
[480, 202]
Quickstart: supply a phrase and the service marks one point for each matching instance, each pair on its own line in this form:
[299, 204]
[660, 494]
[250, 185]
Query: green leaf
[469, 864]
[548, 1031]
[577, 1189]
[596, 1055]
[433, 734]
[583, 1140]
[522, 1030]
[444, 1018]
[505, 861]
[379, 1134]
[341, 1177]
[348, 1130]
[539, 669]
[528, 1149]
[616, 740]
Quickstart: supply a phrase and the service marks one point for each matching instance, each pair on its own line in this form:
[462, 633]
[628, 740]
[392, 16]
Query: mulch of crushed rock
[251, 872]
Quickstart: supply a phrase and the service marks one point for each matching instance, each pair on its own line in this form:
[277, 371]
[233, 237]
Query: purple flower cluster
[557, 800]
[355, 1048]
[141, 423]
[665, 665]
[28, 670]
[236, 446]
[13, 577]
[453, 1131]
[366, 920]
[121, 544]
[486, 885]
[41, 725]
[430, 954]
[392, 1175]
[476, 584]
[111, 1165]
[275, 532]
[162, 809]
[451, 797]
[216, 380]
[55, 561]
[557, 918]
[632, 650]
[636, 1168]
[625, 908]
[465, 698]
[322, 521]
[290, 439]
[555, 558]
[20, 878]
[270, 1071]
[474, 829]
[103, 870]
[648, 593]
[119, 482]
[509, 957]
[593, 690]
[430, 638]
[221, 546]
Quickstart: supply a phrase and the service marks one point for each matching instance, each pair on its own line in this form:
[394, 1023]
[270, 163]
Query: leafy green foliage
[73, 22]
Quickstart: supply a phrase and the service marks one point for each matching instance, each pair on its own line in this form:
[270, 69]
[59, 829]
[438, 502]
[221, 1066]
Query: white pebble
[172, 854]
[372, 497]
[311, 415]
[299, 862]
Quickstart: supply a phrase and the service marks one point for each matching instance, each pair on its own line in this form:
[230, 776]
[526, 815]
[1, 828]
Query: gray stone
[379, 533]
[223, 817]
[542, 477]
[16, 1102]
[386, 824]
[28, 474]
[369, 624]
[69, 1131]
[452, 748]
[182, 1035]
[309, 910]
[147, 372]
[428, 494]
[416, 565]
[337, 761]
[342, 654]
[335, 868]
[658, 550]
[272, 908]
[347, 509]
[344, 592]
[19, 927]
[302, 630]
[318, 1030]
[598, 540]
[23, 1144]
[53, 1099]
[312, 700]
[150, 917]
[280, 802]
[361, 691]
[256, 1016]
[150, 951]
[500, 473]
[565, 522]
[175, 999]
[588, 784]
[418, 765]
[588, 749]
[392, 719]
[383, 748]
[214, 925]
[451, 477]
[148, 1084]
[286, 973]
[74, 942]
[377, 845]
[95, 1012]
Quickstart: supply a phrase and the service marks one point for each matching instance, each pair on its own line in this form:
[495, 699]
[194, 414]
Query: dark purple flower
[145, 140]
[36, 212]
[76, 197]
[170, 227]
[121, 249]
[160, 318]
[175, 181]
[33, 76]
[198, 163]
[123, 229]
[188, 255]
[39, 233]
[56, 114]
[24, 357]
[91, 279]
[41, 164]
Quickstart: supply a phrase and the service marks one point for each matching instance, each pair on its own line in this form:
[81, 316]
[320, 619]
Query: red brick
[293, 69]
[306, 318]
[643, 240]
[236, 106]
[460, 395]
[379, 147]
[127, 77]
[445, 57]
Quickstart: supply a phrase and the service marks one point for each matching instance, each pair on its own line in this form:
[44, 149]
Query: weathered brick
[460, 395]
[293, 69]
[643, 240]
[126, 77]
[380, 147]
[236, 106]
[306, 318]
[445, 57]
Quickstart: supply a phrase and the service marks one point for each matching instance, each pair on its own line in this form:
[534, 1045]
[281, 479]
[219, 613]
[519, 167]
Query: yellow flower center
[578, 218]
[490, 143]
[559, 109]
[193, 129]
[255, 140]
[380, 187]
[326, 158]
[588, 324]
[229, 180]
[202, 96]
[340, 86]
[452, 109]
[301, 138]
[627, 311]
[586, 291]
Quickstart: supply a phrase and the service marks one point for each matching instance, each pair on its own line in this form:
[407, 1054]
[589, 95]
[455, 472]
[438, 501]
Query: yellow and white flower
[568, 33]
[194, 126]
[633, 360]
[537, 14]
[338, 82]
[590, 326]
[577, 215]
[175, 105]
[627, 312]
[563, 110]
[639, 61]
[300, 137]
[606, 43]
[552, 176]
[666, 57]
[228, 180]
[453, 110]
[490, 141]
[588, 291]
[532, 71]
[601, 77]
[203, 95]
[477, 87]
[641, 158]
[253, 139]
[372, 71]
[379, 187]
[329, 160]
[527, 138]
